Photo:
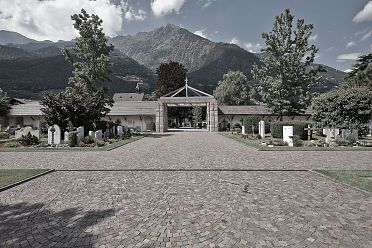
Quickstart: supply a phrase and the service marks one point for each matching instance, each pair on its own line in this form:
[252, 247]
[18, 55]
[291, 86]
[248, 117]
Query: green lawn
[10, 176]
[359, 178]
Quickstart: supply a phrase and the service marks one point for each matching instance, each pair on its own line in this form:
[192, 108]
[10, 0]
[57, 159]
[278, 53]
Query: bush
[277, 143]
[250, 121]
[276, 129]
[320, 142]
[4, 135]
[343, 142]
[72, 139]
[28, 140]
[12, 144]
[89, 140]
[297, 141]
[308, 144]
[100, 143]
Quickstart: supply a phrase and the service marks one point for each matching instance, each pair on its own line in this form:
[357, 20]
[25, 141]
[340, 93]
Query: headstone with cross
[309, 130]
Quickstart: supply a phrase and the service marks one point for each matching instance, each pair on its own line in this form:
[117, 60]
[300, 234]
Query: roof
[128, 97]
[29, 108]
[249, 110]
[133, 108]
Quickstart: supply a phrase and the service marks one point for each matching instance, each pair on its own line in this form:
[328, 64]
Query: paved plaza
[178, 204]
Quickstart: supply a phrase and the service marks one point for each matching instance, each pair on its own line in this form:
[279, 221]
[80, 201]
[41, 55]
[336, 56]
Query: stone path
[189, 150]
[185, 208]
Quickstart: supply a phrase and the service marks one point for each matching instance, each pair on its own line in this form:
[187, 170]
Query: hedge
[276, 128]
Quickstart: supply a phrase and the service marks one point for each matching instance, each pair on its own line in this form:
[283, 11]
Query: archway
[186, 96]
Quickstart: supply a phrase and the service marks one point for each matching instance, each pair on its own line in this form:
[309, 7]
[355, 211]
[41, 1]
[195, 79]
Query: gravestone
[80, 134]
[120, 131]
[331, 134]
[91, 134]
[288, 135]
[24, 131]
[54, 135]
[243, 129]
[261, 129]
[98, 135]
[347, 134]
[66, 136]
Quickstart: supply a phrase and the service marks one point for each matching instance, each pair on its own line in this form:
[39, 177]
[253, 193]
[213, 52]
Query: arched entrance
[191, 97]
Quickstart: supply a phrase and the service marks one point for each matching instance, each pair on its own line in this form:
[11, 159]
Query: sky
[342, 28]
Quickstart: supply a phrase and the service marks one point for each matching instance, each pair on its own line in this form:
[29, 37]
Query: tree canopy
[286, 78]
[171, 76]
[361, 74]
[83, 102]
[349, 108]
[234, 89]
[4, 103]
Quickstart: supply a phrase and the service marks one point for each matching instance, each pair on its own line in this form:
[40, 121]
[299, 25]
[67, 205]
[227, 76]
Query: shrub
[12, 144]
[277, 143]
[308, 144]
[297, 141]
[100, 143]
[72, 139]
[320, 142]
[28, 140]
[89, 140]
[4, 135]
[250, 121]
[276, 129]
[343, 142]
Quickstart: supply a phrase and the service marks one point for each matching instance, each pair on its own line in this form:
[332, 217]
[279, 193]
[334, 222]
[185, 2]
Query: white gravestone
[66, 136]
[261, 129]
[346, 134]
[54, 137]
[80, 134]
[24, 131]
[331, 134]
[98, 135]
[288, 135]
[243, 129]
[120, 131]
[91, 134]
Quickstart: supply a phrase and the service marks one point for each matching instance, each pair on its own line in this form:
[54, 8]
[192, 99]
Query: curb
[342, 183]
[184, 170]
[26, 180]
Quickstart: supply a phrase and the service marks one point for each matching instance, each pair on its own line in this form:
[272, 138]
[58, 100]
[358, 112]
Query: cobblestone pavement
[184, 209]
[195, 150]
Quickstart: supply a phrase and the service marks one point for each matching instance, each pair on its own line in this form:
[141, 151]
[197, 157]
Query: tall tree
[171, 76]
[234, 89]
[83, 102]
[361, 74]
[349, 108]
[197, 114]
[4, 103]
[286, 78]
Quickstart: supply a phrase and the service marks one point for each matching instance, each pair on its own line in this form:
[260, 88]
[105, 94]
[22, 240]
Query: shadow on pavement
[28, 225]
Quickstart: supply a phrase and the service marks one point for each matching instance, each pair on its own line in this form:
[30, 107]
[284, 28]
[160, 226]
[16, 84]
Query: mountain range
[28, 67]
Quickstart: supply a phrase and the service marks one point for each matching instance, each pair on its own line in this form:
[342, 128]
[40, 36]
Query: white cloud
[201, 33]
[365, 14]
[250, 47]
[366, 36]
[235, 41]
[350, 44]
[313, 38]
[132, 15]
[348, 56]
[51, 20]
[164, 7]
[253, 48]
[348, 70]
[207, 3]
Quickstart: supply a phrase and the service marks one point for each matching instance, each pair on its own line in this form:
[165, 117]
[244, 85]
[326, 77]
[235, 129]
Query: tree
[171, 76]
[349, 108]
[233, 89]
[287, 77]
[83, 102]
[361, 74]
[4, 103]
[197, 114]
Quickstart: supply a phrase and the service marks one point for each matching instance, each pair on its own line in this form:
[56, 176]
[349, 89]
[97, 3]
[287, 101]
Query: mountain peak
[9, 37]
